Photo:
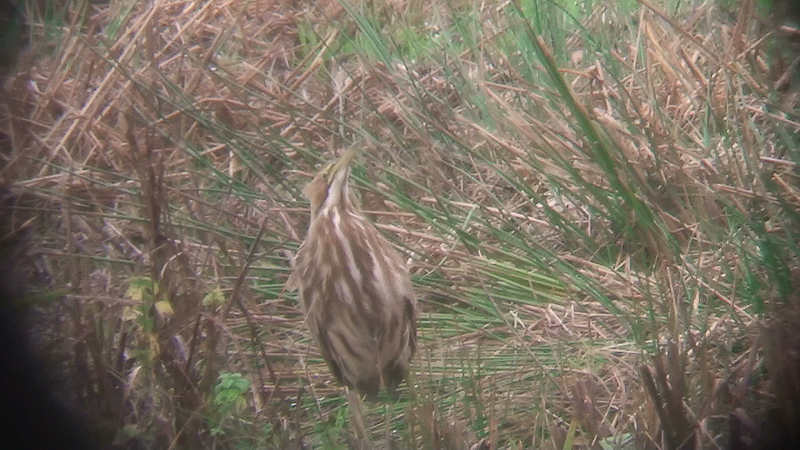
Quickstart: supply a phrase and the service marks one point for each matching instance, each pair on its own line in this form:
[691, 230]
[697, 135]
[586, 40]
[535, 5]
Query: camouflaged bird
[354, 288]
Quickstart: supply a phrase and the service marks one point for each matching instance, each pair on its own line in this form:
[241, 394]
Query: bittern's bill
[354, 288]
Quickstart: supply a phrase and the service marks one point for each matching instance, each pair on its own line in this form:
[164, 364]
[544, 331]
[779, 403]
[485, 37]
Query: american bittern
[354, 288]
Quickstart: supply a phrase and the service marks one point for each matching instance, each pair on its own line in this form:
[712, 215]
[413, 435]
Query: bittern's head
[329, 188]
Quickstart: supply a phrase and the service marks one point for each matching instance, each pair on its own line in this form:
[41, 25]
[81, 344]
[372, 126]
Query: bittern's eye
[328, 170]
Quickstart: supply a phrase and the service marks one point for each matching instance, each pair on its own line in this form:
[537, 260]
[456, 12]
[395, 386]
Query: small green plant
[144, 292]
[228, 399]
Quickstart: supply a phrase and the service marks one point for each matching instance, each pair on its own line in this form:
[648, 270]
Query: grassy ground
[598, 205]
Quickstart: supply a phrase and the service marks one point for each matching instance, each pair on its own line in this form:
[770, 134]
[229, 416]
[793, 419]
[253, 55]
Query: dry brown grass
[167, 142]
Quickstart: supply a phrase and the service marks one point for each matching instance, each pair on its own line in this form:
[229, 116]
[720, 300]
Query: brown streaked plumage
[354, 289]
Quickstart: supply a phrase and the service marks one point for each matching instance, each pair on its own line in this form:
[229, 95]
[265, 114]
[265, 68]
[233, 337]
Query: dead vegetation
[557, 234]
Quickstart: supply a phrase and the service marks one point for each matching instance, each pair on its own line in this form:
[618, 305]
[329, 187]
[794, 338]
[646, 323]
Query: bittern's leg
[358, 419]
[387, 424]
[389, 438]
[411, 381]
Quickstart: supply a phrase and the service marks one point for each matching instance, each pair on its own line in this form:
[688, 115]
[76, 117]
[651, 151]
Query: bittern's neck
[338, 198]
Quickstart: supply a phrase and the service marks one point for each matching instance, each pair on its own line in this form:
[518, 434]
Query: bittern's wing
[341, 353]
